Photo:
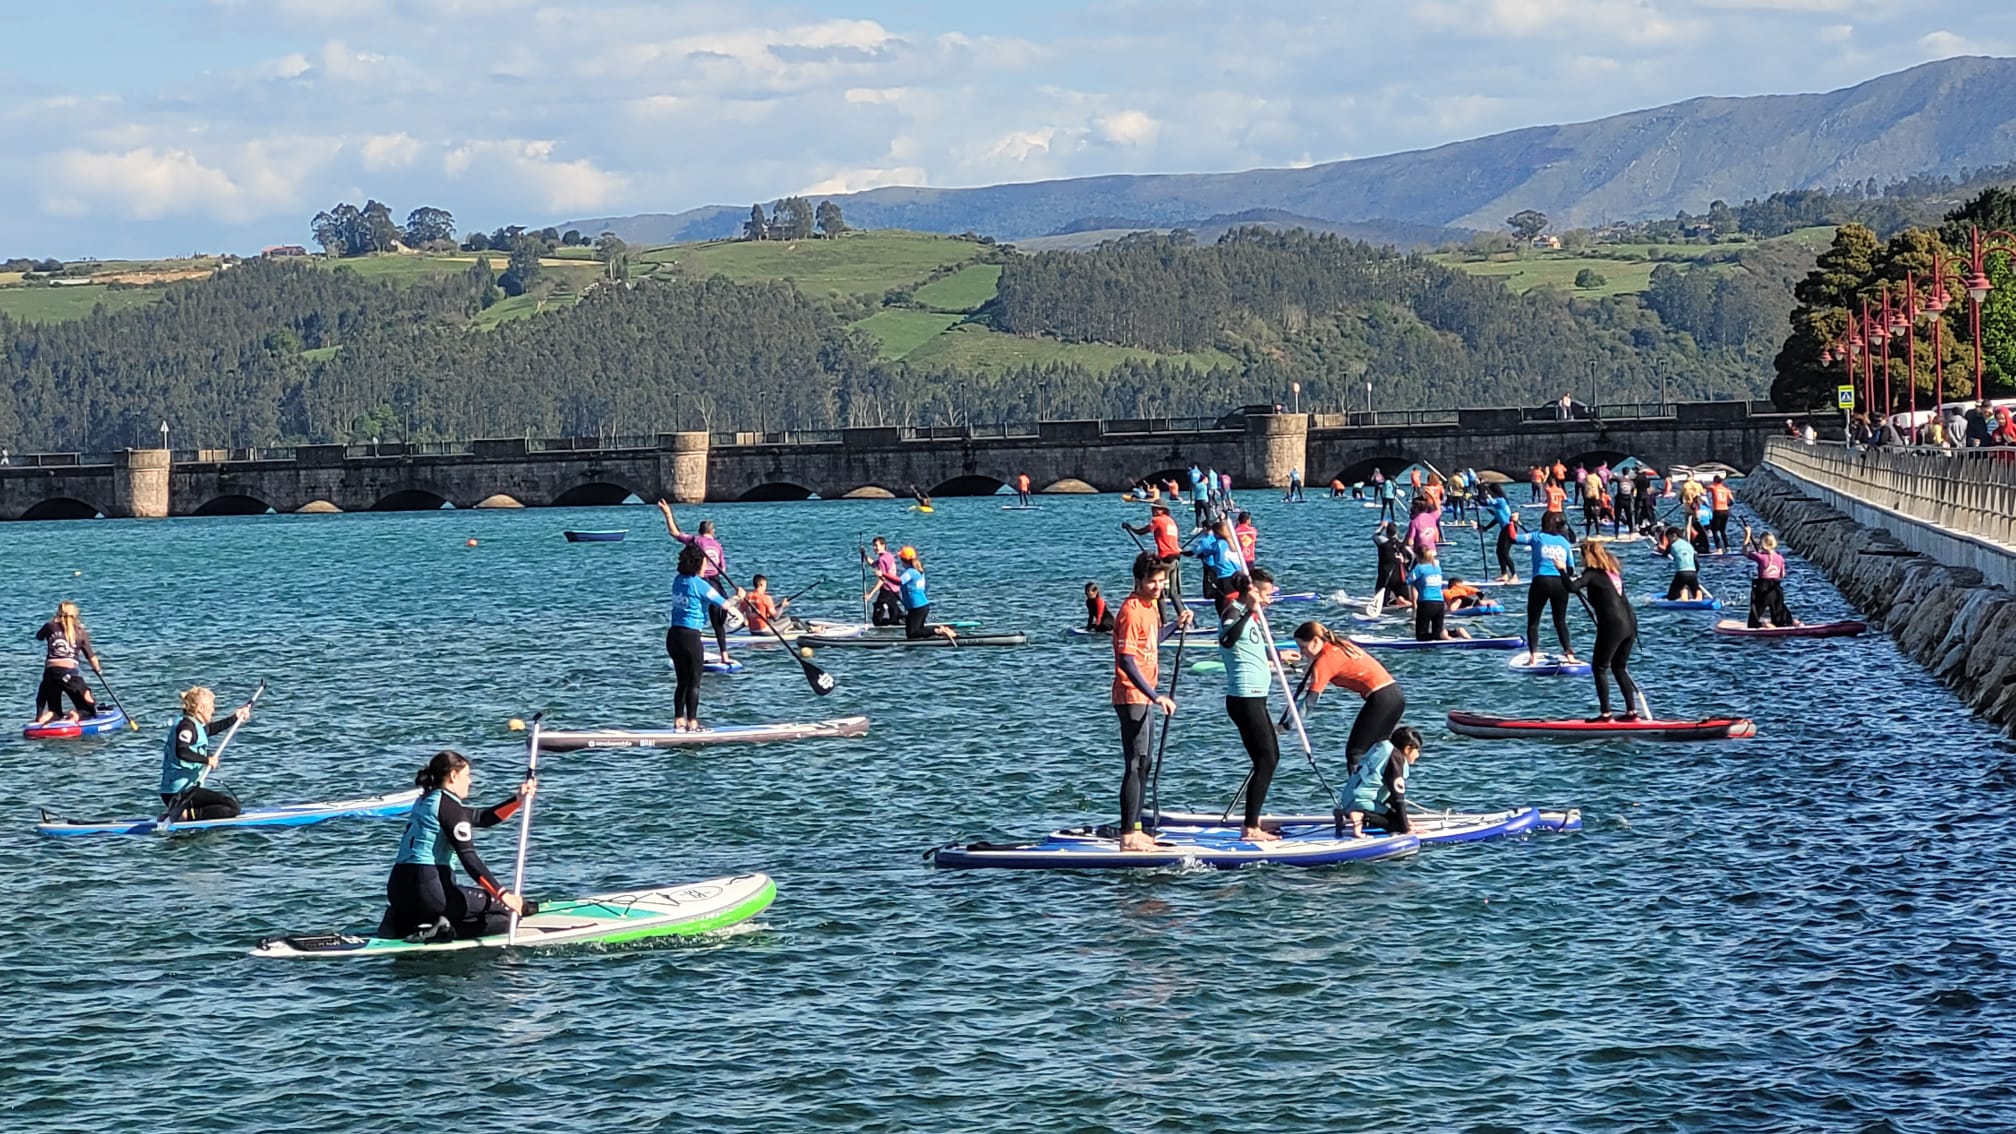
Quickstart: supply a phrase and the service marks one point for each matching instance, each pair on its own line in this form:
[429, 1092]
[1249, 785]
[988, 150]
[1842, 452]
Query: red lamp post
[1984, 245]
[1874, 337]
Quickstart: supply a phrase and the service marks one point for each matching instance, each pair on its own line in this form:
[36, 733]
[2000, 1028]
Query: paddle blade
[822, 682]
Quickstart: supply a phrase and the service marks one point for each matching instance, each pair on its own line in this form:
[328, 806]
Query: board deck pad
[579, 739]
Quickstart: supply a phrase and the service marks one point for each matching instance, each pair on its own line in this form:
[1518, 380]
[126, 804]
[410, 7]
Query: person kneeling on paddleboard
[422, 900]
[188, 758]
[1602, 583]
[1460, 595]
[1686, 584]
[1377, 790]
[1336, 660]
[65, 640]
[1137, 638]
[1098, 617]
[1767, 590]
[759, 607]
[916, 599]
[693, 599]
[1249, 675]
[1430, 608]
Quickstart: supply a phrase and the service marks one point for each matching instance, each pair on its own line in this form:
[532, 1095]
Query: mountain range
[1939, 117]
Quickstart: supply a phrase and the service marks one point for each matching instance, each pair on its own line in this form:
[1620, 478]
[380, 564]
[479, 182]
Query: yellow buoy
[804, 651]
[515, 725]
[472, 542]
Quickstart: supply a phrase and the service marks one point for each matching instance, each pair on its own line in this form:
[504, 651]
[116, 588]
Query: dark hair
[1245, 517]
[437, 771]
[1145, 565]
[1406, 736]
[691, 558]
[758, 580]
[706, 527]
[1493, 488]
[1554, 523]
[1258, 575]
[883, 540]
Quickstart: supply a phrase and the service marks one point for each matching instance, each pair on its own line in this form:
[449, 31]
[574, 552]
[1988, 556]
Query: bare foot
[1137, 841]
[1259, 835]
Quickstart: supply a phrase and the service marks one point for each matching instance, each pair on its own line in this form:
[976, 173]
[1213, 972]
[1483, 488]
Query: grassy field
[901, 330]
[1526, 270]
[964, 291]
[856, 264]
[56, 304]
[411, 266]
[977, 349]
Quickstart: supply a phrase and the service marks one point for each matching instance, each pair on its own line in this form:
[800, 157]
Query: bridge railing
[1971, 491]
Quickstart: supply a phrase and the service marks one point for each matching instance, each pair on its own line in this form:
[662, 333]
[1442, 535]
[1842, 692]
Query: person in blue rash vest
[693, 601]
[1249, 676]
[916, 598]
[1505, 517]
[1425, 584]
[1377, 791]
[1553, 559]
[1686, 584]
[422, 900]
[188, 755]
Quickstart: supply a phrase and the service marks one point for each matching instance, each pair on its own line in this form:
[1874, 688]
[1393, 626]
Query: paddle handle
[525, 823]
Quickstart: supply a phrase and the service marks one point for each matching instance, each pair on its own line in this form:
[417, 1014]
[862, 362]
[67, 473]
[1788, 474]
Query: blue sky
[155, 127]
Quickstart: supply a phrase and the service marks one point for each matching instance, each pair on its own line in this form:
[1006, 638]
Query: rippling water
[1802, 932]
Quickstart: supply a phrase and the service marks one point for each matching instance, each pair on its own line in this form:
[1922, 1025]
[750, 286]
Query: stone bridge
[1058, 456]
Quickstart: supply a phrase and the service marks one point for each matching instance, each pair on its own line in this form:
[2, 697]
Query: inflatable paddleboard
[1478, 611]
[631, 915]
[291, 815]
[1737, 628]
[747, 639]
[1279, 598]
[1218, 848]
[711, 662]
[577, 739]
[1548, 665]
[880, 642]
[1688, 604]
[1488, 727]
[109, 720]
[1021, 507]
[1431, 827]
[1372, 643]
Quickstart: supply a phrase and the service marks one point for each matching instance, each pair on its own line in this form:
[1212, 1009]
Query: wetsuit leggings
[1393, 820]
[684, 647]
[717, 616]
[1610, 655]
[914, 622]
[57, 682]
[419, 894]
[888, 608]
[1256, 731]
[1767, 600]
[1505, 565]
[1376, 721]
[1429, 620]
[1592, 514]
[202, 803]
[1683, 582]
[1549, 591]
[1718, 528]
[1138, 755]
[1386, 508]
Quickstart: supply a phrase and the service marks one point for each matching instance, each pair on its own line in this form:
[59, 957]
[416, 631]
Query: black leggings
[684, 647]
[56, 683]
[914, 622]
[1138, 754]
[1376, 721]
[418, 894]
[1428, 619]
[202, 803]
[1683, 581]
[888, 609]
[717, 616]
[1718, 528]
[1767, 600]
[1505, 565]
[1550, 591]
[1611, 655]
[1256, 731]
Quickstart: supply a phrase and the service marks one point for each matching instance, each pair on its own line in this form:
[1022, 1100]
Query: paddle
[822, 682]
[861, 548]
[181, 799]
[1162, 741]
[525, 821]
[130, 722]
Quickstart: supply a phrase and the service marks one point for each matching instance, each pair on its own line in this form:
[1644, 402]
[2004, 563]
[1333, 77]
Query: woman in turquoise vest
[187, 759]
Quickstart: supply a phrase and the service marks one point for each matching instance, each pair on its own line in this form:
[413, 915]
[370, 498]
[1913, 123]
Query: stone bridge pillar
[140, 484]
[1275, 444]
[682, 466]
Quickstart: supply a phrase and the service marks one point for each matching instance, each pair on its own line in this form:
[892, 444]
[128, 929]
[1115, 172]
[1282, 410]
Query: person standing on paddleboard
[64, 640]
[1336, 660]
[1505, 518]
[1553, 559]
[1720, 500]
[1377, 789]
[887, 593]
[711, 570]
[1767, 590]
[1022, 489]
[1390, 584]
[1248, 537]
[188, 756]
[422, 900]
[1249, 674]
[694, 602]
[1602, 583]
[1137, 639]
[1168, 543]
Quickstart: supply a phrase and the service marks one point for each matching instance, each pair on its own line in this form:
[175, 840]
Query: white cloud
[149, 184]
[858, 180]
[389, 151]
[1128, 128]
[529, 167]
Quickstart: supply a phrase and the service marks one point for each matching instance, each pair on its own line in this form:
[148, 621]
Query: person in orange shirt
[1461, 595]
[1137, 642]
[1720, 499]
[1022, 489]
[1168, 543]
[759, 608]
[1334, 659]
[1538, 476]
[1248, 536]
[1557, 497]
[1560, 472]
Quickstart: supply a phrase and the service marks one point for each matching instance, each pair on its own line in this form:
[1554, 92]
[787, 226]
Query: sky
[165, 127]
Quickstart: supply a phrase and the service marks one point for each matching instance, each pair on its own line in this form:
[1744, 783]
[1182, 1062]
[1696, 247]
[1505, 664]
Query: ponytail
[1317, 632]
[437, 771]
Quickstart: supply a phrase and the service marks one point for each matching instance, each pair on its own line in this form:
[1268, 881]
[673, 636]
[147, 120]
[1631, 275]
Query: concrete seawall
[1952, 619]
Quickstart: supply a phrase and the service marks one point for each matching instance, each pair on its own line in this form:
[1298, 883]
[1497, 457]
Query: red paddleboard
[1737, 628]
[1485, 726]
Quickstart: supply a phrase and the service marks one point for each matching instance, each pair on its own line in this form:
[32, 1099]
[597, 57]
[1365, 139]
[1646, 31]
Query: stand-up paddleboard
[710, 662]
[291, 815]
[1687, 603]
[1021, 507]
[1737, 628]
[108, 720]
[1219, 848]
[744, 639]
[1487, 727]
[1547, 665]
[1431, 827]
[674, 911]
[1279, 598]
[578, 739]
[878, 642]
[610, 536]
[1479, 611]
[839, 629]
[1372, 643]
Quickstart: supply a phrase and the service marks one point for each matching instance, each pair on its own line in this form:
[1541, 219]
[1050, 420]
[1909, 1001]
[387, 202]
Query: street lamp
[1983, 245]
[164, 435]
[1368, 398]
[1296, 389]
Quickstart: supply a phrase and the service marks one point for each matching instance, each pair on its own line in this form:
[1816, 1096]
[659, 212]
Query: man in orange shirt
[1557, 496]
[1137, 642]
[1022, 489]
[1719, 501]
[1168, 543]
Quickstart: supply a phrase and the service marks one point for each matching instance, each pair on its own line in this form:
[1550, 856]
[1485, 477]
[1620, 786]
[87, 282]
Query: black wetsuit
[1392, 567]
[1616, 633]
[182, 772]
[57, 681]
[422, 891]
[1255, 723]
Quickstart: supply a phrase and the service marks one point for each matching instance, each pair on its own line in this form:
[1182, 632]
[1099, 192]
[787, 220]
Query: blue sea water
[1805, 931]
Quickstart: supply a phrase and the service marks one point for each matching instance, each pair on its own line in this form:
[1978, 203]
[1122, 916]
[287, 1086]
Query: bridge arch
[318, 508]
[234, 504]
[412, 500]
[971, 484]
[596, 494]
[62, 508]
[868, 492]
[777, 490]
[1069, 486]
[500, 500]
